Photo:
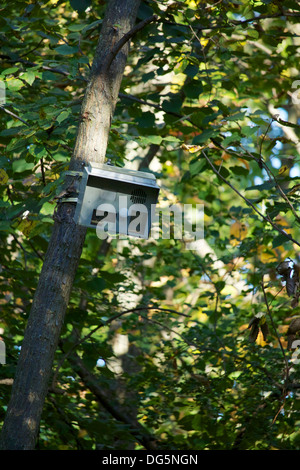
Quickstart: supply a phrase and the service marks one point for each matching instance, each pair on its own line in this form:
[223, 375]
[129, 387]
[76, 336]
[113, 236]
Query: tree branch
[13, 115]
[118, 46]
[91, 382]
[285, 385]
[272, 176]
[34, 64]
[249, 203]
[107, 322]
[234, 22]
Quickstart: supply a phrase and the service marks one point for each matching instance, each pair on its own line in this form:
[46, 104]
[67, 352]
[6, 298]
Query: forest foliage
[184, 348]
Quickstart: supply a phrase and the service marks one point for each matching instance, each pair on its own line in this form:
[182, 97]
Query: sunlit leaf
[3, 177]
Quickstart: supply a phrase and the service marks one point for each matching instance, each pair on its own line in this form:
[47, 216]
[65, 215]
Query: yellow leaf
[3, 176]
[260, 339]
[191, 148]
[238, 231]
[82, 433]
[262, 320]
[284, 170]
[26, 226]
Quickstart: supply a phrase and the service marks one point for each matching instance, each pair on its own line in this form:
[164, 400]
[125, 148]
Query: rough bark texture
[52, 295]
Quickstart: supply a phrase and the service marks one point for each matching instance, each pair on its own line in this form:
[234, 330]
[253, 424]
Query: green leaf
[112, 278]
[3, 177]
[96, 284]
[234, 137]
[193, 89]
[250, 130]
[9, 71]
[239, 170]
[205, 135]
[80, 5]
[29, 77]
[146, 120]
[260, 187]
[21, 165]
[37, 151]
[237, 117]
[5, 227]
[279, 241]
[172, 105]
[14, 84]
[197, 166]
[63, 115]
[171, 138]
[77, 27]
[66, 50]
[150, 139]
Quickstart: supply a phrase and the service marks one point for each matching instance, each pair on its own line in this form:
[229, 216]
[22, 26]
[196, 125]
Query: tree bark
[52, 295]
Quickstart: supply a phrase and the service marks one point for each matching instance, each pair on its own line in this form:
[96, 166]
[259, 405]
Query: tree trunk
[52, 295]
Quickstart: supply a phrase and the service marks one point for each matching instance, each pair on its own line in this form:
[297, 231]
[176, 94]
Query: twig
[265, 218]
[152, 105]
[105, 323]
[43, 171]
[23, 249]
[67, 421]
[273, 324]
[264, 17]
[272, 176]
[32, 50]
[118, 46]
[145, 162]
[92, 383]
[34, 64]
[234, 22]
[264, 136]
[284, 390]
[35, 250]
[13, 115]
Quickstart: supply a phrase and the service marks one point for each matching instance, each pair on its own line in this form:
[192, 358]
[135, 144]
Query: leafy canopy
[209, 102]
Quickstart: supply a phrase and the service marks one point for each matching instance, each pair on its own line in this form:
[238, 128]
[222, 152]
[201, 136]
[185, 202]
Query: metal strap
[69, 199]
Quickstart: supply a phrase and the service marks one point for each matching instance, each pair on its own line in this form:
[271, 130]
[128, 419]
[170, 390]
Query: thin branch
[228, 353]
[264, 17]
[91, 382]
[44, 67]
[284, 390]
[105, 323]
[43, 171]
[148, 103]
[272, 176]
[234, 22]
[259, 162]
[32, 50]
[249, 203]
[23, 249]
[145, 162]
[170, 113]
[62, 413]
[118, 46]
[273, 324]
[264, 136]
[13, 115]
[35, 250]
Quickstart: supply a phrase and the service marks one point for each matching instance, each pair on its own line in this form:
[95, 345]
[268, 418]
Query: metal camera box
[116, 200]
